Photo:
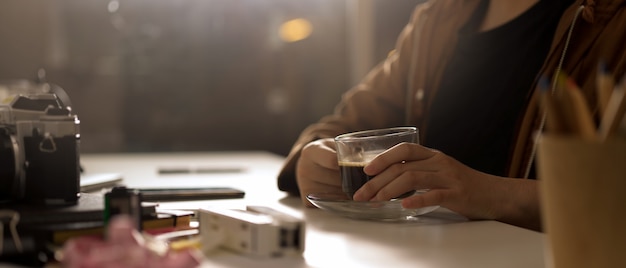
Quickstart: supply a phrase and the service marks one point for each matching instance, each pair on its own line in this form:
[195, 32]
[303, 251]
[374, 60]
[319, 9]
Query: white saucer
[391, 210]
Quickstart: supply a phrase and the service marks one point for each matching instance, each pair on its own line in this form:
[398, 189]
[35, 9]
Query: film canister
[122, 200]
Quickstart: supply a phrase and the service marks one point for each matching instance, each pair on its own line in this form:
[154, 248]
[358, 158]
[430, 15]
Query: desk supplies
[581, 170]
[162, 221]
[604, 87]
[56, 225]
[582, 199]
[182, 194]
[614, 113]
[574, 100]
[35, 226]
[122, 200]
[198, 170]
[96, 181]
[90, 207]
[257, 231]
[293, 229]
[568, 112]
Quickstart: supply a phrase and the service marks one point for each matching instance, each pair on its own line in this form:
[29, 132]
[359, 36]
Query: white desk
[331, 240]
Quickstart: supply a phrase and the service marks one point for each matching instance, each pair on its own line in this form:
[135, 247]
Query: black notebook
[89, 208]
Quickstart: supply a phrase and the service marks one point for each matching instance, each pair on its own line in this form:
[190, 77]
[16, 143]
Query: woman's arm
[471, 193]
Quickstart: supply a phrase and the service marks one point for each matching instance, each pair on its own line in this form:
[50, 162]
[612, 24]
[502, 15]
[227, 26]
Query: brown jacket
[400, 89]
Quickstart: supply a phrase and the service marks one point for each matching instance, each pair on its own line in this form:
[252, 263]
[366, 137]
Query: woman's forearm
[518, 203]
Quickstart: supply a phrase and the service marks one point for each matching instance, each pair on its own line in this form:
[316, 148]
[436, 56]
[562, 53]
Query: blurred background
[198, 75]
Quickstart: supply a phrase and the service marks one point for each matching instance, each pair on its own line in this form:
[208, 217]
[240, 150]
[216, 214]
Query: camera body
[39, 148]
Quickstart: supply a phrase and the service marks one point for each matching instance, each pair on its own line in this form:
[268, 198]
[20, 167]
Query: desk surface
[442, 239]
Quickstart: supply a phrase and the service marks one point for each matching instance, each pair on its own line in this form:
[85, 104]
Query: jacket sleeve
[378, 101]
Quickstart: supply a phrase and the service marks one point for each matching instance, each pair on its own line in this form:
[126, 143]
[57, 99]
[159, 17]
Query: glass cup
[355, 150]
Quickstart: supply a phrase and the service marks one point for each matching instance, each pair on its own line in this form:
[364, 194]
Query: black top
[486, 85]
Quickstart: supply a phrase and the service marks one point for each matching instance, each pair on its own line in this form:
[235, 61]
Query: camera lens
[7, 171]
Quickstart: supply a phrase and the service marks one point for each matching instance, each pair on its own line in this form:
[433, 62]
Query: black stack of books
[40, 229]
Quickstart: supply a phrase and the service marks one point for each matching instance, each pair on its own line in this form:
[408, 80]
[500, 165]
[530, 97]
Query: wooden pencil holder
[583, 201]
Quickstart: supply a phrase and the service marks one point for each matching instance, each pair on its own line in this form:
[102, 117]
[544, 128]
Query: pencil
[553, 116]
[616, 107]
[583, 120]
[563, 104]
[568, 103]
[604, 87]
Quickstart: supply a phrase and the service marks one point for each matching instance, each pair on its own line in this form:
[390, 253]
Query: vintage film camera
[39, 138]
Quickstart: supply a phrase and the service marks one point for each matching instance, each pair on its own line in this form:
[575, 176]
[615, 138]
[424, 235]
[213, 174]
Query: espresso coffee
[357, 149]
[352, 177]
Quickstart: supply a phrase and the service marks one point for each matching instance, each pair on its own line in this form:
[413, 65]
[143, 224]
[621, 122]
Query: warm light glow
[113, 6]
[295, 30]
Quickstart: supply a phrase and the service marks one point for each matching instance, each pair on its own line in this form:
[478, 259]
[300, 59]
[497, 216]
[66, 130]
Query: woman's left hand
[409, 166]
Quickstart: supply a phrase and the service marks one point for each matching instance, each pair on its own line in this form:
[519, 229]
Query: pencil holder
[583, 201]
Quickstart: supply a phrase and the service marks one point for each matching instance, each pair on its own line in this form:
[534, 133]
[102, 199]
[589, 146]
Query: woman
[464, 72]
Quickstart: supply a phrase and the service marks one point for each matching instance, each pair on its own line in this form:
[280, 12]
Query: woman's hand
[317, 170]
[452, 185]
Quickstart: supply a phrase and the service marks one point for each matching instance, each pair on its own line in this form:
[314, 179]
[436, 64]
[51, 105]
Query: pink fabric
[122, 248]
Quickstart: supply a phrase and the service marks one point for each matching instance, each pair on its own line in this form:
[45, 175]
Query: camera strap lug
[47, 145]
[14, 218]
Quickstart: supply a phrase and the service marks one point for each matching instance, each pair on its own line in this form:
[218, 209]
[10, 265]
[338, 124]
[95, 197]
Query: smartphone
[97, 181]
[187, 194]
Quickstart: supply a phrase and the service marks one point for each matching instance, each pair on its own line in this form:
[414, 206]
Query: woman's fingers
[317, 170]
[431, 198]
[403, 152]
[321, 152]
[397, 180]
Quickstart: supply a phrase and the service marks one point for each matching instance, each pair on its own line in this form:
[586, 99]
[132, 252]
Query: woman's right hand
[317, 170]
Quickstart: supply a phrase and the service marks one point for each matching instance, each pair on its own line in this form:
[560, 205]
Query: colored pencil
[616, 107]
